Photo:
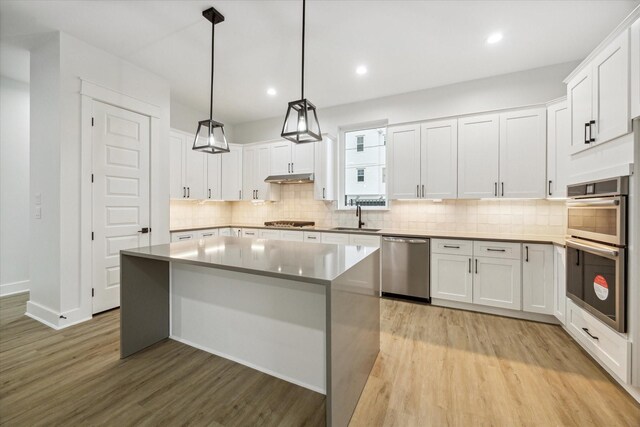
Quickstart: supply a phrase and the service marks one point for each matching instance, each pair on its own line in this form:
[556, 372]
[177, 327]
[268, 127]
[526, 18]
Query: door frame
[90, 92]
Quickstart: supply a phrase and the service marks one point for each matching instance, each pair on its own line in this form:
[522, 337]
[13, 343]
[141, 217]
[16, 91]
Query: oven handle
[594, 202]
[592, 249]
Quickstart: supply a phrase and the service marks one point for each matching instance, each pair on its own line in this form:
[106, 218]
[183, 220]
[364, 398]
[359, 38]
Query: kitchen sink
[355, 229]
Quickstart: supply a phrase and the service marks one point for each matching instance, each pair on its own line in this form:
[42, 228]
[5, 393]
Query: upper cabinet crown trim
[622, 27]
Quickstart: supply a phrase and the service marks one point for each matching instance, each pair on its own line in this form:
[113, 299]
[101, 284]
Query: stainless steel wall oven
[596, 249]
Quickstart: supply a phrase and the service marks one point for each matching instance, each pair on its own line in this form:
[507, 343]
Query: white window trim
[340, 206]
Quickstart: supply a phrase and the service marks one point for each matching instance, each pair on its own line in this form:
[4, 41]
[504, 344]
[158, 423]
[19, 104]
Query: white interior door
[120, 205]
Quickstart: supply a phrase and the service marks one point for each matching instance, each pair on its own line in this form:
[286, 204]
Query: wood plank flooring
[437, 367]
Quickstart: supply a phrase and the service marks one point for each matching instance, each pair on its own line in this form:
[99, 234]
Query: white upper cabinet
[187, 169]
[635, 69]
[214, 190]
[231, 174]
[558, 145]
[289, 158]
[256, 168]
[403, 148]
[523, 153]
[439, 159]
[478, 150]
[538, 279]
[324, 184]
[598, 97]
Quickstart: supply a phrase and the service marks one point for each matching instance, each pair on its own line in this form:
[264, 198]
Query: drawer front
[452, 247]
[335, 238]
[225, 232]
[269, 234]
[312, 237]
[250, 232]
[504, 250]
[181, 237]
[206, 234]
[292, 236]
[360, 240]
[611, 349]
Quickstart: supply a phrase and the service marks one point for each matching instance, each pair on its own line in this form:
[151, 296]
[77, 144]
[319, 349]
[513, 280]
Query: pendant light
[210, 137]
[301, 121]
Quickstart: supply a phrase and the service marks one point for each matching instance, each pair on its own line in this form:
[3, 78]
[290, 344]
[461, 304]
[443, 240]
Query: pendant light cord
[213, 30]
[303, 27]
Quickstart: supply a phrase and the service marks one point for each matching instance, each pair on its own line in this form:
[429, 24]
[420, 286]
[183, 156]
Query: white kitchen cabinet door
[523, 140]
[611, 91]
[335, 238]
[579, 96]
[302, 158]
[478, 152]
[497, 282]
[403, 149]
[269, 234]
[249, 161]
[256, 166]
[635, 69]
[177, 187]
[364, 240]
[537, 279]
[451, 277]
[231, 174]
[228, 232]
[280, 158]
[439, 159]
[195, 171]
[560, 284]
[291, 235]
[214, 189]
[324, 184]
[558, 145]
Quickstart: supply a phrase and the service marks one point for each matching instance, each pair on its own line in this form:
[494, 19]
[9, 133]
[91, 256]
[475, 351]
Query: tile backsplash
[297, 203]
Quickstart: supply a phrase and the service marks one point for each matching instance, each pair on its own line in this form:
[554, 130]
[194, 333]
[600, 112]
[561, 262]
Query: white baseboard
[20, 287]
[52, 319]
[250, 365]
[524, 315]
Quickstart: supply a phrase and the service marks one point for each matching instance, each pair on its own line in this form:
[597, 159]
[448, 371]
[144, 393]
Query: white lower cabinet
[364, 240]
[537, 278]
[451, 277]
[613, 350]
[497, 283]
[560, 284]
[335, 238]
[206, 234]
[269, 234]
[312, 237]
[182, 236]
[250, 232]
[291, 235]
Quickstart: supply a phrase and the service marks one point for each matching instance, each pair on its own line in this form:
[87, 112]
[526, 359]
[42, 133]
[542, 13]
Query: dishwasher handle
[401, 240]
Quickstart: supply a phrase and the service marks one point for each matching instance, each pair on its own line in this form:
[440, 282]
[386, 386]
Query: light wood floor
[436, 367]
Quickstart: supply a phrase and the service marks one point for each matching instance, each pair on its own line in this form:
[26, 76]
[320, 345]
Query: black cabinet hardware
[452, 247]
[476, 266]
[418, 190]
[550, 187]
[591, 137]
[422, 190]
[526, 257]
[144, 230]
[586, 330]
[495, 189]
[496, 250]
[586, 127]
[469, 265]
[502, 184]
[184, 191]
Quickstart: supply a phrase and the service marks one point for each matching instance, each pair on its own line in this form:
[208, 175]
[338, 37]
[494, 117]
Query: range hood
[297, 178]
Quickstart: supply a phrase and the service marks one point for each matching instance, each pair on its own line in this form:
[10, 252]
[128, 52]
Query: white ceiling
[406, 45]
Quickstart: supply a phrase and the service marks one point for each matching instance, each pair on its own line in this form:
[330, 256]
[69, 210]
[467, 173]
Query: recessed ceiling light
[361, 70]
[494, 38]
[271, 92]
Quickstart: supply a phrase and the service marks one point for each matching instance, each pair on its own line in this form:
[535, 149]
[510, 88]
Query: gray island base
[305, 313]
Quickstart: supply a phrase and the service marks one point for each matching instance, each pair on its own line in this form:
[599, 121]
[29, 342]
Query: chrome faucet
[359, 215]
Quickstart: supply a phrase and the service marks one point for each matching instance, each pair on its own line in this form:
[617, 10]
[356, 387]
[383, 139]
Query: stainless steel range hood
[298, 178]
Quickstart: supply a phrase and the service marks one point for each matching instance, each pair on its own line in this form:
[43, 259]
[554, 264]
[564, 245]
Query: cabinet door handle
[452, 247]
[589, 333]
[257, 192]
[323, 193]
[496, 250]
[423, 191]
[586, 128]
[550, 187]
[291, 167]
[209, 193]
[418, 190]
[184, 192]
[495, 189]
[288, 167]
[502, 184]
[469, 265]
[311, 237]
[476, 266]
[184, 237]
[188, 192]
[239, 194]
[591, 137]
[526, 251]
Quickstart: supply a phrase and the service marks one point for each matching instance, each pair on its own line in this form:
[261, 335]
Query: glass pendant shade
[210, 138]
[301, 123]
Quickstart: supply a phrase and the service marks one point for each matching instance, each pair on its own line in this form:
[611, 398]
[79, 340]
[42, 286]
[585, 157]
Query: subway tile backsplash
[542, 217]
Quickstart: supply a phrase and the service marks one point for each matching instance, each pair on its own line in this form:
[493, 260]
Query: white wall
[510, 90]
[57, 69]
[14, 185]
[186, 118]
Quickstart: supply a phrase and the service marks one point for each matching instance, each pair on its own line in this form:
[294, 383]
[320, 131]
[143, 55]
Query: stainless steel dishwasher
[405, 267]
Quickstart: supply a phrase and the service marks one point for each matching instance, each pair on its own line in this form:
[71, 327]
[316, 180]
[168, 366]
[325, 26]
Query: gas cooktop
[289, 224]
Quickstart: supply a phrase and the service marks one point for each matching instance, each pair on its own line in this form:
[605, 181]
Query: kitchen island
[308, 314]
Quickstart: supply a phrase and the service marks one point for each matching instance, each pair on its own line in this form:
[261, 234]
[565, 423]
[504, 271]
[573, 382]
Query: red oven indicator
[601, 287]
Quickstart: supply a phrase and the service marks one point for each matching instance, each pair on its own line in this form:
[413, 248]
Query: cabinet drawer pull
[452, 247]
[418, 190]
[495, 189]
[469, 265]
[323, 193]
[476, 266]
[311, 237]
[586, 330]
[550, 187]
[188, 192]
[209, 193]
[423, 191]
[184, 191]
[526, 257]
[502, 184]
[207, 235]
[184, 237]
[496, 250]
[591, 137]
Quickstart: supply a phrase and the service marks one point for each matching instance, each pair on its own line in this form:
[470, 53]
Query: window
[363, 154]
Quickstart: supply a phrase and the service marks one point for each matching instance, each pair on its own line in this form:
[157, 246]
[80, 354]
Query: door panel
[120, 206]
[497, 283]
[404, 161]
[478, 151]
[439, 159]
[231, 174]
[451, 277]
[195, 171]
[280, 158]
[214, 190]
[537, 279]
[302, 157]
[579, 95]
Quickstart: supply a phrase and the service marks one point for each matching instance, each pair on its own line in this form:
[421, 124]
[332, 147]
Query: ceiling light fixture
[494, 38]
[271, 92]
[361, 70]
[301, 121]
[210, 137]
